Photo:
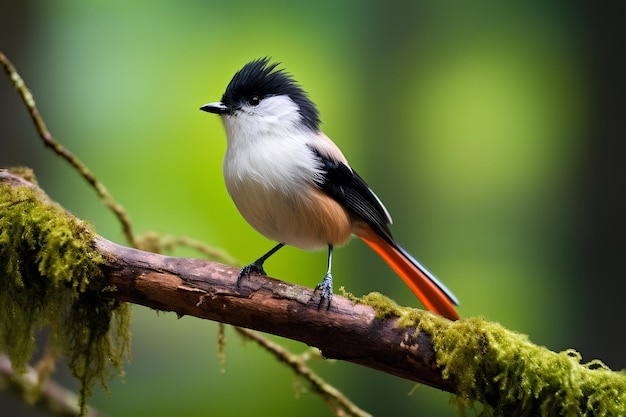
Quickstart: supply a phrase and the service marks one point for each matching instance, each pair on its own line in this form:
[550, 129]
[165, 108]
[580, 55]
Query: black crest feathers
[261, 78]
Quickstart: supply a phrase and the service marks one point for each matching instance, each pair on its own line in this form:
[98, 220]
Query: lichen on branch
[51, 278]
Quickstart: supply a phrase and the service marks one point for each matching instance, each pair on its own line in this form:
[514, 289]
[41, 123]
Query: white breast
[270, 180]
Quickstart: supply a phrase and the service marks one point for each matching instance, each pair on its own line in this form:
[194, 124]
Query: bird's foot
[248, 269]
[326, 287]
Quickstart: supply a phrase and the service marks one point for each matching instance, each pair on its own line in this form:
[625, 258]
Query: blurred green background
[491, 131]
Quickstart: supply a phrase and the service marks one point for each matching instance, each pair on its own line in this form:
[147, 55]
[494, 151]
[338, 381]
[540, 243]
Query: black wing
[348, 188]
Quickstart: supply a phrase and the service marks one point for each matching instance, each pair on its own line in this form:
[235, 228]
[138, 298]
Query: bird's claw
[326, 287]
[248, 269]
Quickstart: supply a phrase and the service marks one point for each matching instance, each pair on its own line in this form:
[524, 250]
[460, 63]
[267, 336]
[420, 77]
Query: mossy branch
[50, 276]
[50, 142]
[475, 359]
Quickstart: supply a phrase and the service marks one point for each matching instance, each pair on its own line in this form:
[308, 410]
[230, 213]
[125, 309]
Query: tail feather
[430, 291]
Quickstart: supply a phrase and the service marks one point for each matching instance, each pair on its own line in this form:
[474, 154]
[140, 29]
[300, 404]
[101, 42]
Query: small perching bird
[294, 186]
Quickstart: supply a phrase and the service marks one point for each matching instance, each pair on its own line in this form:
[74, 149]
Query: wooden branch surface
[208, 290]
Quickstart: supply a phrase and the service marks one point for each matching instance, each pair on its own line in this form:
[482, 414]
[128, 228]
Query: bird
[294, 186]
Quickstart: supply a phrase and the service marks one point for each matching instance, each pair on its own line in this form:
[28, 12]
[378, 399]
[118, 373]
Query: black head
[260, 79]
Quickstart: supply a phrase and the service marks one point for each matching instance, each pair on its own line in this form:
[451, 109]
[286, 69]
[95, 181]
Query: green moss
[24, 172]
[514, 377]
[50, 277]
[385, 307]
[505, 372]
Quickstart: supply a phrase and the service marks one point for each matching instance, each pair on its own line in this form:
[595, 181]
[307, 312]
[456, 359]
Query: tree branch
[476, 359]
[46, 395]
[208, 290]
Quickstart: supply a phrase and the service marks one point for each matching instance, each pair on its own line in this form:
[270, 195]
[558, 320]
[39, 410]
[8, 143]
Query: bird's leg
[257, 266]
[327, 283]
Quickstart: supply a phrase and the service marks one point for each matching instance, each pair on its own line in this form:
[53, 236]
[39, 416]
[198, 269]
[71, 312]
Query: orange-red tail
[432, 293]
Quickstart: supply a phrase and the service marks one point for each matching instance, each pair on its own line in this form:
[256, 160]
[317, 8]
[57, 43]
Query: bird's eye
[254, 100]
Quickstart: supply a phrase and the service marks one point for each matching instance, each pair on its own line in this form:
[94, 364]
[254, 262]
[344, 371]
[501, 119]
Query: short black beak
[217, 108]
